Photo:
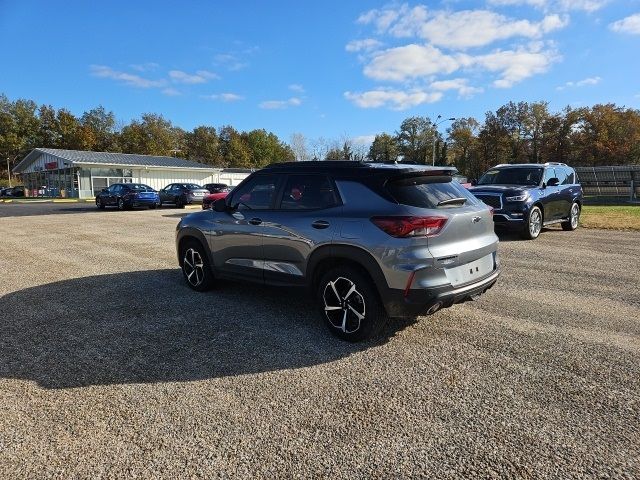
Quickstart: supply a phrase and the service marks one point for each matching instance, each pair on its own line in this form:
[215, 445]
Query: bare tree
[298, 144]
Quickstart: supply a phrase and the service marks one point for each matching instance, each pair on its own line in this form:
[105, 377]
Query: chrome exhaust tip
[434, 308]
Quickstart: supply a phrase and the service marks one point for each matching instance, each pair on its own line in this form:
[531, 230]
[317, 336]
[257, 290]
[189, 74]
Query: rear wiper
[452, 201]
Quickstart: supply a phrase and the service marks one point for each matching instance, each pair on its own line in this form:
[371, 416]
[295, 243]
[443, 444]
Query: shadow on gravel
[149, 327]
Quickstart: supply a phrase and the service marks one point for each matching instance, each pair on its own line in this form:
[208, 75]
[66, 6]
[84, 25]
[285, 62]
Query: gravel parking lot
[110, 366]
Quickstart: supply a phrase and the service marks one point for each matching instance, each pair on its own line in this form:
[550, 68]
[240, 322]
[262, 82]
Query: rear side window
[308, 192]
[429, 192]
[561, 174]
[571, 178]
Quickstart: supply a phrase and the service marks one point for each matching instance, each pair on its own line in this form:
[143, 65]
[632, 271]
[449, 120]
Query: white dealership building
[81, 174]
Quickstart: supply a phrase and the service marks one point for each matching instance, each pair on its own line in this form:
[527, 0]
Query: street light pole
[435, 130]
[9, 172]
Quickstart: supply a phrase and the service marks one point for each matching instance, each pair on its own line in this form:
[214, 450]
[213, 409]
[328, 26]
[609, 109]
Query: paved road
[110, 366]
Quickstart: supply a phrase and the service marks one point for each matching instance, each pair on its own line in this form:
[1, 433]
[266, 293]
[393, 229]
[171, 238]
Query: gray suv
[370, 240]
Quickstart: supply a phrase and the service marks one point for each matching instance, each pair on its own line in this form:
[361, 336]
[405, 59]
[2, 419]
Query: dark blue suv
[527, 197]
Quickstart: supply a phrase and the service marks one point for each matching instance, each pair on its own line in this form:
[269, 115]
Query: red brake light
[410, 226]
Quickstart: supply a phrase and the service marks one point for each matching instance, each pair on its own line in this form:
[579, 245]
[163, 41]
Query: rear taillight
[410, 226]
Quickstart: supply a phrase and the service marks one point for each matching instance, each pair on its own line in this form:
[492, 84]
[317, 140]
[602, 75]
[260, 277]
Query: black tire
[357, 315]
[121, 205]
[153, 207]
[533, 225]
[160, 204]
[574, 218]
[180, 202]
[200, 278]
[100, 204]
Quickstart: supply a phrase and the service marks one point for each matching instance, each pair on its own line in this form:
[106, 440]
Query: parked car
[17, 191]
[369, 240]
[217, 187]
[181, 194]
[462, 180]
[528, 197]
[128, 195]
[208, 200]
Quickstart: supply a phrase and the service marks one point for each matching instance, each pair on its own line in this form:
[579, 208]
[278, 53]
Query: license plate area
[470, 271]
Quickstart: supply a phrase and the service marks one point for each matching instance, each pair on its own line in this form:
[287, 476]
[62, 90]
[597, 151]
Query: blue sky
[325, 69]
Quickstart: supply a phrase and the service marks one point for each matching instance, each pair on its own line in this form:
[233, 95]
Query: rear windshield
[429, 192]
[512, 176]
[138, 187]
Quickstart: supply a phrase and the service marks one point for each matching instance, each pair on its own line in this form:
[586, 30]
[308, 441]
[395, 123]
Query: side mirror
[474, 182]
[553, 182]
[220, 205]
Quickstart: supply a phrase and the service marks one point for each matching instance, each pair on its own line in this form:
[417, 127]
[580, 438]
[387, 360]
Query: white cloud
[103, 71]
[556, 5]
[364, 140]
[394, 99]
[230, 61]
[458, 30]
[366, 45]
[410, 61]
[477, 28]
[224, 97]
[171, 92]
[296, 87]
[461, 85]
[201, 76]
[516, 65]
[145, 67]
[581, 83]
[630, 24]
[280, 104]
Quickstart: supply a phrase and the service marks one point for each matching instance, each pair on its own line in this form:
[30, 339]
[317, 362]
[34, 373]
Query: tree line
[24, 125]
[518, 133]
[515, 133]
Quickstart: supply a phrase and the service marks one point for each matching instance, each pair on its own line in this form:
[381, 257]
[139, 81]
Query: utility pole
[9, 172]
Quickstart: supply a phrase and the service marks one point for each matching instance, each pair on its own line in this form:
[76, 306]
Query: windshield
[191, 186]
[512, 176]
[138, 187]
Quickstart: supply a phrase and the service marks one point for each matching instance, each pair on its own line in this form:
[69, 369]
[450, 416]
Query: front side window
[549, 173]
[308, 192]
[512, 176]
[257, 194]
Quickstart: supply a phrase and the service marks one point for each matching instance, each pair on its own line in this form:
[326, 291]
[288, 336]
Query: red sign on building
[51, 165]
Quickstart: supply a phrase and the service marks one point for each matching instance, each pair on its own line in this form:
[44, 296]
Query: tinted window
[429, 191]
[190, 186]
[308, 192]
[139, 187]
[256, 194]
[571, 178]
[511, 176]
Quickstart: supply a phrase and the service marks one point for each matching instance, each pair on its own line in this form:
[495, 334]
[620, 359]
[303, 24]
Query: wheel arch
[329, 256]
[188, 234]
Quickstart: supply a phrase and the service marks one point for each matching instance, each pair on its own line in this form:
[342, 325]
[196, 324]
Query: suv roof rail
[556, 163]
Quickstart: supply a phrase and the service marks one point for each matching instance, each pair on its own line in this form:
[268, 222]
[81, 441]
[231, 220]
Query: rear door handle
[255, 221]
[320, 224]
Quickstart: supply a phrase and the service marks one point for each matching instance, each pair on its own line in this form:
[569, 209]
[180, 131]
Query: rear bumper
[418, 302]
[144, 202]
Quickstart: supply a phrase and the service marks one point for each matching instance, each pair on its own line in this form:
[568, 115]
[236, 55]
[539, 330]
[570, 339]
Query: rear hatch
[468, 231]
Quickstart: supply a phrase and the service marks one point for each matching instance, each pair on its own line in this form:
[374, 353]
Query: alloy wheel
[535, 223]
[344, 306]
[193, 267]
[575, 215]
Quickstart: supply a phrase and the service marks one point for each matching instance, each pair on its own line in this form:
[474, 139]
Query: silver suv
[370, 240]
